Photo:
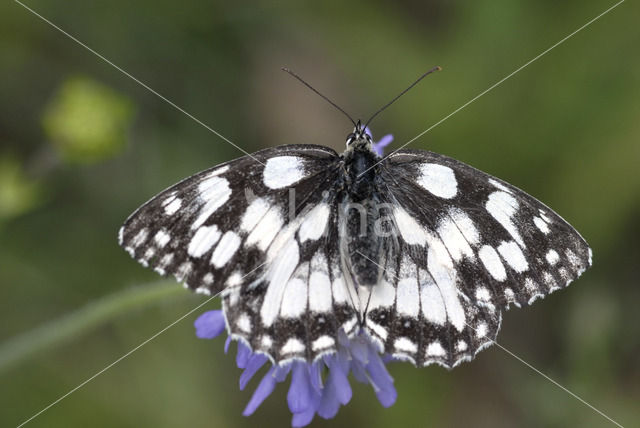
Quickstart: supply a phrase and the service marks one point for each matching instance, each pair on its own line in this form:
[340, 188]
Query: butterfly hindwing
[298, 308]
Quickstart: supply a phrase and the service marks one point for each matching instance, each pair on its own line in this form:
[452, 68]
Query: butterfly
[418, 250]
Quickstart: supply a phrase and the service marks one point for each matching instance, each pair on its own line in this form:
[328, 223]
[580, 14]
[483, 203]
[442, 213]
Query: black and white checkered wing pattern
[204, 228]
[467, 246]
[254, 229]
[297, 308]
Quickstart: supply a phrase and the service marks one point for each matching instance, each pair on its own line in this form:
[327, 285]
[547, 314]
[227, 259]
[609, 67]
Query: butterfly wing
[262, 230]
[468, 246]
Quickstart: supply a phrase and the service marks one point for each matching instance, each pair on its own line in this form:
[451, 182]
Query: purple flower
[378, 146]
[320, 387]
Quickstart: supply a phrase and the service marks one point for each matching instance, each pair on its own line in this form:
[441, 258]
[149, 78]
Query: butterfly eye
[350, 138]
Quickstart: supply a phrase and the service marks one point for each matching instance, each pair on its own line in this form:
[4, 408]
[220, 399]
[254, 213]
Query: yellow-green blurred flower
[87, 121]
[18, 193]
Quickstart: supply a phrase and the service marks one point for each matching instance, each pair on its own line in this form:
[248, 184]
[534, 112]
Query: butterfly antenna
[438, 68]
[316, 91]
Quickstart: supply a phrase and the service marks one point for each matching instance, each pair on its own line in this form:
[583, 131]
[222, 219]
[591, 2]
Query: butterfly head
[359, 138]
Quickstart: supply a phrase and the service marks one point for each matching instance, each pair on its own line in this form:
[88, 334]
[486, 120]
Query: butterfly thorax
[360, 244]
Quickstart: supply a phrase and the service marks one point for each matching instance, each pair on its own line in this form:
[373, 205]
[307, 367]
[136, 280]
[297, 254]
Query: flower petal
[387, 397]
[209, 325]
[379, 146]
[338, 382]
[329, 404]
[243, 355]
[299, 396]
[315, 375]
[382, 381]
[254, 364]
[303, 418]
[264, 389]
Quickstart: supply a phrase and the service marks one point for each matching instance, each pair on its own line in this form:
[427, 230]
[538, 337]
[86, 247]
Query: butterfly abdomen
[362, 246]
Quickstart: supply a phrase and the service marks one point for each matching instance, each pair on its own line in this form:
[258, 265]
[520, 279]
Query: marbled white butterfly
[417, 249]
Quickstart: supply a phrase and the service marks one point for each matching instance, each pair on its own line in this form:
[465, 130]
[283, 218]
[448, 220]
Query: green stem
[92, 315]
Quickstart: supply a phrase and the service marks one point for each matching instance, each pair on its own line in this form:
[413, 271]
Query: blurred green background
[82, 146]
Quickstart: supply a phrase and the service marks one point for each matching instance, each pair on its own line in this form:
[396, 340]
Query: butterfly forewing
[222, 220]
[469, 245]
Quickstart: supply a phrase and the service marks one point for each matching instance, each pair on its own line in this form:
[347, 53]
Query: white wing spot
[498, 185]
[541, 225]
[435, 349]
[565, 275]
[544, 216]
[492, 263]
[293, 346]
[140, 237]
[266, 229]
[433, 308]
[244, 323]
[255, 211]
[509, 295]
[511, 252]
[202, 241]
[382, 295]
[214, 191]
[483, 294]
[461, 346]
[166, 260]
[438, 179]
[454, 240]
[183, 271]
[502, 207]
[226, 249]
[339, 290]
[405, 345]
[281, 269]
[319, 292]
[466, 226]
[573, 259]
[219, 171]
[162, 238]
[408, 297]
[294, 300]
[552, 257]
[550, 281]
[441, 269]
[171, 204]
[411, 231]
[323, 342]
[314, 223]
[481, 330]
[266, 342]
[376, 328]
[283, 171]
